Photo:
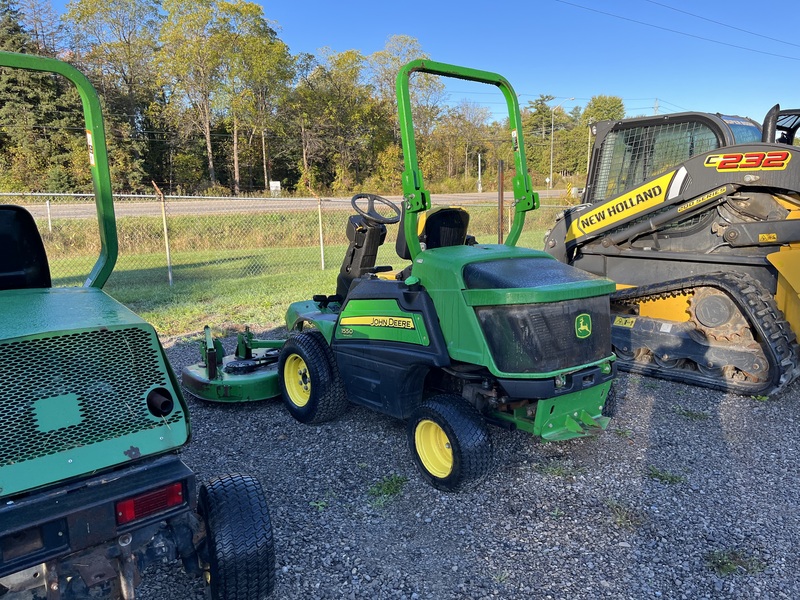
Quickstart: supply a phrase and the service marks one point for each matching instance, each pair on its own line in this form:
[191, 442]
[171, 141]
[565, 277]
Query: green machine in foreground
[92, 490]
[468, 334]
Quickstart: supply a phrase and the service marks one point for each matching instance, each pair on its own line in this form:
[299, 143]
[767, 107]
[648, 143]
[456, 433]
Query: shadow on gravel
[715, 514]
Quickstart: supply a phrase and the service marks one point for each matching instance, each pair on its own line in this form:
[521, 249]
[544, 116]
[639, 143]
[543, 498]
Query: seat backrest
[443, 226]
[365, 237]
[23, 260]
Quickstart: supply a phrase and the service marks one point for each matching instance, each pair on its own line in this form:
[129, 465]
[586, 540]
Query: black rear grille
[541, 338]
[101, 379]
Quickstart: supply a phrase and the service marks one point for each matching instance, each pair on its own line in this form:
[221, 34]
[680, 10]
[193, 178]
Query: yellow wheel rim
[433, 448]
[297, 380]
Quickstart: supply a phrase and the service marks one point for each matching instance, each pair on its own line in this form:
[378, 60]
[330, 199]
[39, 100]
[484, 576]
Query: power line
[673, 104]
[766, 37]
[691, 35]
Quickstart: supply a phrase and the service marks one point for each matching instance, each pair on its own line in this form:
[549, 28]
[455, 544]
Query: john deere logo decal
[583, 326]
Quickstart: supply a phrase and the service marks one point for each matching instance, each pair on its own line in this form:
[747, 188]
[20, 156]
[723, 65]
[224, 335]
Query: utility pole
[480, 184]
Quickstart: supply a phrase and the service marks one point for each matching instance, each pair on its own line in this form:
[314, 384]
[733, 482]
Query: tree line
[202, 96]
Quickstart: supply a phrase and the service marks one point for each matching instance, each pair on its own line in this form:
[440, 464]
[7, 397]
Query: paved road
[127, 208]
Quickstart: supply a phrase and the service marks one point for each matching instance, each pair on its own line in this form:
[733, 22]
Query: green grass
[220, 286]
[386, 489]
[664, 476]
[624, 516]
[727, 562]
[223, 289]
[692, 415]
[555, 468]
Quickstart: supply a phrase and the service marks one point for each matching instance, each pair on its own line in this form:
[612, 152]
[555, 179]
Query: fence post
[160, 196]
[321, 237]
[49, 220]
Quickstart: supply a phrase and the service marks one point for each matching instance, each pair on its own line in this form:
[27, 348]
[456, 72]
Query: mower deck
[248, 375]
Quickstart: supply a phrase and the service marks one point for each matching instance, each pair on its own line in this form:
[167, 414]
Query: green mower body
[467, 334]
[91, 418]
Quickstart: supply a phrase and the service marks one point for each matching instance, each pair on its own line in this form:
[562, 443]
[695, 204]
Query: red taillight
[149, 503]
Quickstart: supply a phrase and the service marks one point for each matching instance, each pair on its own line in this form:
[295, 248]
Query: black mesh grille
[631, 156]
[539, 338]
[108, 374]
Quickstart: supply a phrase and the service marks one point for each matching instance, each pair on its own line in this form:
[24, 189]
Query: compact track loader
[696, 217]
[92, 489]
[467, 334]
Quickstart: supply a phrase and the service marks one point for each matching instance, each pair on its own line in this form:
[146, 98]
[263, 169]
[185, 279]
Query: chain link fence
[205, 239]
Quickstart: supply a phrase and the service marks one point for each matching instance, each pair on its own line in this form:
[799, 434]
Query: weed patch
[386, 489]
[664, 476]
[728, 562]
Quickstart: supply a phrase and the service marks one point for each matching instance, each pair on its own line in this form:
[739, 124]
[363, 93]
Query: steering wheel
[370, 212]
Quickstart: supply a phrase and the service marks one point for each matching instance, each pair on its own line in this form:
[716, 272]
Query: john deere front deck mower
[468, 334]
[91, 418]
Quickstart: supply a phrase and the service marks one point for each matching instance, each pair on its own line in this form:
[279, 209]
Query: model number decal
[777, 160]
[379, 321]
[625, 321]
[706, 198]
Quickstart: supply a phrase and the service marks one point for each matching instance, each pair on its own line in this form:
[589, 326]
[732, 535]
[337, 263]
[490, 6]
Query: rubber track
[770, 329]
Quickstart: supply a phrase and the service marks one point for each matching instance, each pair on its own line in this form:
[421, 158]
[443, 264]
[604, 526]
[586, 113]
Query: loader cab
[629, 152]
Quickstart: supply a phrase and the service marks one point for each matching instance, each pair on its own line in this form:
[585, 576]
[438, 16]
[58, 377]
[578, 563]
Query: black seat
[365, 237]
[23, 261]
[444, 226]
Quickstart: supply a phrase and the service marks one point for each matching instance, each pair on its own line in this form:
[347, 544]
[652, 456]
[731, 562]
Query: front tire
[239, 542]
[449, 443]
[310, 383]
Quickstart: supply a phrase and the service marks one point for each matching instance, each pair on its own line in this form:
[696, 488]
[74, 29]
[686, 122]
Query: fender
[787, 263]
[300, 313]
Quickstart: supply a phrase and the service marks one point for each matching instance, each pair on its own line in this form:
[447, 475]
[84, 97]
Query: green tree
[602, 107]
[117, 40]
[38, 119]
[190, 66]
[340, 126]
[536, 116]
[43, 25]
[255, 73]
[116, 47]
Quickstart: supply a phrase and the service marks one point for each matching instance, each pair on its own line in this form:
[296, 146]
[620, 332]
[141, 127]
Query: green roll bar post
[98, 156]
[416, 197]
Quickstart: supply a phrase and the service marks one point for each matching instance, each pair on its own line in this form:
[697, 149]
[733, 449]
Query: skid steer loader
[92, 490]
[696, 216]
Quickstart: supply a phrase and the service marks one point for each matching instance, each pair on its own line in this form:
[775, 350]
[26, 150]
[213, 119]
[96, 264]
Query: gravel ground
[682, 477]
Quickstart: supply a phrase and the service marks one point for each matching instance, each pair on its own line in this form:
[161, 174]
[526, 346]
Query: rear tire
[450, 443]
[239, 543]
[311, 387]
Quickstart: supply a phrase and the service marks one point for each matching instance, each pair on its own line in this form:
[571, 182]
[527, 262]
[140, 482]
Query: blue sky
[558, 48]
[676, 54]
